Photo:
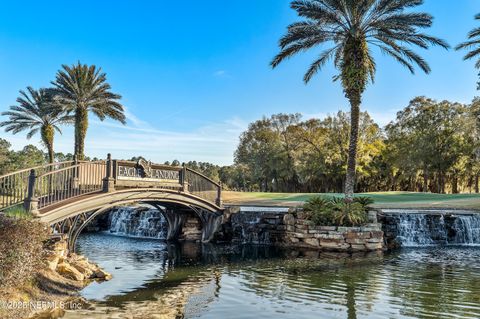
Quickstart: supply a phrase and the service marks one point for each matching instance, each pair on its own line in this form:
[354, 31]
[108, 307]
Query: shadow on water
[213, 281]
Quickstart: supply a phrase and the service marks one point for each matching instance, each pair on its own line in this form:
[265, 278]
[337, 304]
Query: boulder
[68, 271]
[52, 260]
[102, 274]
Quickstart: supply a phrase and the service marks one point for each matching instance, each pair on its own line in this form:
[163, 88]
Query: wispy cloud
[221, 74]
[213, 142]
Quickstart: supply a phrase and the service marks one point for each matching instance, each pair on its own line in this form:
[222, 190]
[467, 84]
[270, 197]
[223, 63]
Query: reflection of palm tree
[36, 112]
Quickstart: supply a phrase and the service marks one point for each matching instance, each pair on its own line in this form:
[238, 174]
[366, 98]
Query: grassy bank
[382, 199]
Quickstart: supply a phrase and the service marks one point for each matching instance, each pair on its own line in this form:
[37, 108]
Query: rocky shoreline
[55, 288]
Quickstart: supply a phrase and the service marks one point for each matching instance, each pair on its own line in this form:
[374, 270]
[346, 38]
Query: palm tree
[37, 111]
[473, 44]
[348, 28]
[82, 88]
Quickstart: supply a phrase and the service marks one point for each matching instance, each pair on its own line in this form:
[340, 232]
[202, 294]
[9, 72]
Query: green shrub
[365, 201]
[349, 214]
[21, 250]
[336, 211]
[319, 210]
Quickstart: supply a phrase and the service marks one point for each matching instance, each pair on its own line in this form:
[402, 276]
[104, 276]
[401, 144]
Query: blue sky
[193, 74]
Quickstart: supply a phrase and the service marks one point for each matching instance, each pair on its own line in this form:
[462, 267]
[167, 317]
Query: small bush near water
[21, 248]
[336, 211]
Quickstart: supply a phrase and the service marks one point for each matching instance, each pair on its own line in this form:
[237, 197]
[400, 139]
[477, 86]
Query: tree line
[430, 146]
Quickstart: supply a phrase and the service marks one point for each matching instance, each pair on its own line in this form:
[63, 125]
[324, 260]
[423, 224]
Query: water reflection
[155, 280]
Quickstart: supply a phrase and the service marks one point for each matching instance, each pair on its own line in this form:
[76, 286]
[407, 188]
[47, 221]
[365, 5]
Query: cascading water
[428, 228]
[137, 222]
[467, 229]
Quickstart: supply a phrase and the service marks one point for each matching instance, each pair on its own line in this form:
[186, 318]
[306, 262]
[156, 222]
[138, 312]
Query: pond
[154, 280]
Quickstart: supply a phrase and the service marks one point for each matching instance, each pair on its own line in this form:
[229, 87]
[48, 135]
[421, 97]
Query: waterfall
[137, 222]
[421, 230]
[416, 229]
[467, 229]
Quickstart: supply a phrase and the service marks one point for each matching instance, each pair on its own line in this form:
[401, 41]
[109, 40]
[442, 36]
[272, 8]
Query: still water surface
[153, 280]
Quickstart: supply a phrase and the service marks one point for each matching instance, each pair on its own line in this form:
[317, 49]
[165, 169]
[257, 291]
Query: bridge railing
[203, 187]
[69, 182]
[50, 184]
[14, 186]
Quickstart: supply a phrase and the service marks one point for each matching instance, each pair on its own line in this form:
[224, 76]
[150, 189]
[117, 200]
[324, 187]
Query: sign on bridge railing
[128, 173]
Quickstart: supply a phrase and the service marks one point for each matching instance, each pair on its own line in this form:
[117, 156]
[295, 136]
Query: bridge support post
[31, 202]
[109, 181]
[210, 223]
[175, 223]
[183, 180]
[218, 201]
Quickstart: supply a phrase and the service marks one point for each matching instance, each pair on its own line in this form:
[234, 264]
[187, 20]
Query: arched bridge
[68, 195]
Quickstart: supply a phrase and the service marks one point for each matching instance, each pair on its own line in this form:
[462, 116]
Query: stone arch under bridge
[69, 195]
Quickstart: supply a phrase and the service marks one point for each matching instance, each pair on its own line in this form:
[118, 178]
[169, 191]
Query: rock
[372, 216]
[363, 235]
[102, 274]
[374, 246]
[377, 234]
[301, 231]
[327, 228]
[52, 260]
[84, 267]
[288, 219]
[301, 235]
[290, 228]
[374, 240]
[334, 245]
[357, 241]
[304, 222]
[70, 272]
[357, 247]
[312, 242]
[293, 240]
[300, 226]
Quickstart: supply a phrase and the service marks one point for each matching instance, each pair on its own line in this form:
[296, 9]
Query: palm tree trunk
[81, 126]
[352, 151]
[354, 81]
[48, 132]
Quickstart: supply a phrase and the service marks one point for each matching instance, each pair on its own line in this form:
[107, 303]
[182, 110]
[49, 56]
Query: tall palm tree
[473, 45]
[82, 89]
[348, 29]
[37, 111]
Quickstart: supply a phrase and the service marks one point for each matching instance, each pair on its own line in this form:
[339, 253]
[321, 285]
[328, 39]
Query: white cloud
[214, 142]
[221, 74]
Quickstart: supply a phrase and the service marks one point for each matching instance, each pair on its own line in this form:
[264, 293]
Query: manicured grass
[382, 199]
